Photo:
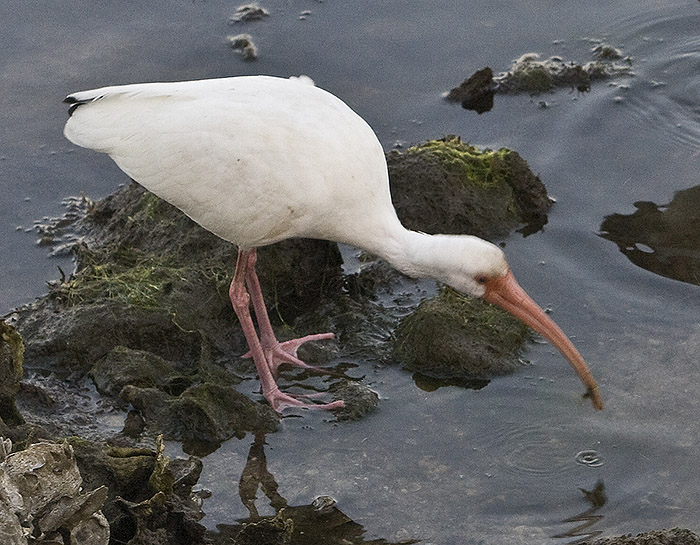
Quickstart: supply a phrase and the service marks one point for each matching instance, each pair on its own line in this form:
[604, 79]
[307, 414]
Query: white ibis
[259, 159]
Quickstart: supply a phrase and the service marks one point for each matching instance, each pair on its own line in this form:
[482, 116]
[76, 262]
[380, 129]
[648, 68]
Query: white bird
[259, 159]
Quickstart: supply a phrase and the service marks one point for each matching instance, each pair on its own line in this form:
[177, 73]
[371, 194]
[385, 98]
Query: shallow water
[501, 464]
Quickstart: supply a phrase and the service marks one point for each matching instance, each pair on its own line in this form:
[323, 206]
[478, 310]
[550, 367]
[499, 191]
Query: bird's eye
[481, 279]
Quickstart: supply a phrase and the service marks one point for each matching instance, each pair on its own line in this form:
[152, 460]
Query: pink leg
[276, 353]
[240, 299]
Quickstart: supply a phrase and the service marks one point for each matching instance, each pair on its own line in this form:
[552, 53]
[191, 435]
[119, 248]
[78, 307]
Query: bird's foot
[286, 352]
[280, 401]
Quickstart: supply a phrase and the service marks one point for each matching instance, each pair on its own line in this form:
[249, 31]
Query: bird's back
[254, 159]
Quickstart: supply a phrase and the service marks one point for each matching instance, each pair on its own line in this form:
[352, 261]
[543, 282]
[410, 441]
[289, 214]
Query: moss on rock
[455, 336]
[11, 360]
[448, 186]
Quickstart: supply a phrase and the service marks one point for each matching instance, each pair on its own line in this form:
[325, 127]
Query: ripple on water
[590, 458]
[664, 96]
[528, 450]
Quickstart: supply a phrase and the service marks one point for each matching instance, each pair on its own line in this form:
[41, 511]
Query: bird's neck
[415, 254]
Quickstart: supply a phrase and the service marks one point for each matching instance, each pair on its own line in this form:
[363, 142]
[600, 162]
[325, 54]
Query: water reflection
[664, 239]
[597, 499]
[321, 522]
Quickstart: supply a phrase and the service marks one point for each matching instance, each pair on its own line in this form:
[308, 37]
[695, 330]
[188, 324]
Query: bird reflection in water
[321, 522]
[597, 499]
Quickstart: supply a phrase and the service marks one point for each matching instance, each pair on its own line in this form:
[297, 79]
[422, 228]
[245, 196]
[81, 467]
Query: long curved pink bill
[505, 292]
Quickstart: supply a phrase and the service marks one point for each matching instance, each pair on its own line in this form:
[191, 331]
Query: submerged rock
[249, 12]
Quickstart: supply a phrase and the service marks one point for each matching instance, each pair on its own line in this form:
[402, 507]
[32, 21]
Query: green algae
[448, 186]
[13, 344]
[474, 166]
[11, 372]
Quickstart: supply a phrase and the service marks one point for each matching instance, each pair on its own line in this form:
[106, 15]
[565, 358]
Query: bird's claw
[286, 352]
[280, 401]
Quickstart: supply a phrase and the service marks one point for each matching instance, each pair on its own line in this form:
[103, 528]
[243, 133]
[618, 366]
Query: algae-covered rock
[447, 186]
[359, 399]
[458, 336]
[533, 75]
[11, 360]
[203, 416]
[530, 74]
[148, 307]
[122, 366]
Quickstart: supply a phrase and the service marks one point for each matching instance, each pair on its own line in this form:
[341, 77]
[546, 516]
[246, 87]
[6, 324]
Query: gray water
[503, 464]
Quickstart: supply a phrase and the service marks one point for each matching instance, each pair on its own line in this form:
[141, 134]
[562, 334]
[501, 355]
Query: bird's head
[483, 272]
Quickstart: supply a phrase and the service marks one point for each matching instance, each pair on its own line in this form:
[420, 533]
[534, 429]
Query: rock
[11, 360]
[123, 366]
[150, 497]
[203, 416]
[42, 494]
[243, 44]
[531, 75]
[456, 336]
[359, 399]
[249, 12]
[476, 92]
[446, 186]
[675, 536]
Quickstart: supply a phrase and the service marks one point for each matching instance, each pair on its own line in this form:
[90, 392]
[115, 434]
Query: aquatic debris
[249, 12]
[606, 52]
[532, 75]
[590, 458]
[43, 500]
[243, 44]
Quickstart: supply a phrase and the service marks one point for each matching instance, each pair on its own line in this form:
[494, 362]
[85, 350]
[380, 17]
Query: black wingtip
[74, 103]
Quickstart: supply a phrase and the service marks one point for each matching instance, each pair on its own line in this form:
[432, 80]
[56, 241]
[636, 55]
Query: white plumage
[279, 184]
[259, 159]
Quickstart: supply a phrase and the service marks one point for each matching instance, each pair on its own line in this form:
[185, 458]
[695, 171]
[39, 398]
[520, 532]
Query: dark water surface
[505, 464]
